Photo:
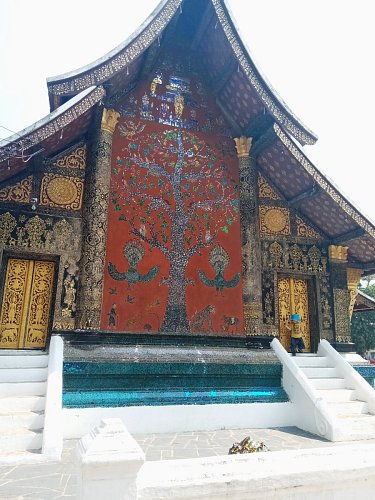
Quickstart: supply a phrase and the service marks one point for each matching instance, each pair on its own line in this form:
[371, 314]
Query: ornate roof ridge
[117, 59]
[275, 105]
[323, 182]
[51, 123]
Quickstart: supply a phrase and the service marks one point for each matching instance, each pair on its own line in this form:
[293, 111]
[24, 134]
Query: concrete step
[23, 374]
[348, 408]
[30, 360]
[20, 439]
[328, 383]
[337, 395]
[13, 389]
[26, 420]
[320, 372]
[312, 361]
[23, 403]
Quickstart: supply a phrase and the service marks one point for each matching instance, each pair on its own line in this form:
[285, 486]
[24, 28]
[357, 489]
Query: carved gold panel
[305, 230]
[26, 304]
[293, 299]
[61, 192]
[20, 192]
[74, 159]
[265, 190]
[274, 220]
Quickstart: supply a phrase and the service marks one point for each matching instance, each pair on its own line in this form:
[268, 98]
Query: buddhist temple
[167, 198]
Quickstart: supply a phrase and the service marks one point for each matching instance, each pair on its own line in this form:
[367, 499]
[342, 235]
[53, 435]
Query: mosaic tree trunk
[174, 194]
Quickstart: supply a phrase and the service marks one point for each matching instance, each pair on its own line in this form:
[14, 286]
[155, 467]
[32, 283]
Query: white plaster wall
[335, 473]
[180, 418]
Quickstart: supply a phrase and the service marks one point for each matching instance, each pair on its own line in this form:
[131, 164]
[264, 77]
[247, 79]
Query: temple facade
[167, 194]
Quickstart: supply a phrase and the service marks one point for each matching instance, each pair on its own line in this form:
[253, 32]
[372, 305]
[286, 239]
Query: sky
[318, 56]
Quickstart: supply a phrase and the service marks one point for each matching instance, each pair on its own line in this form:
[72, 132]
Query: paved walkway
[57, 480]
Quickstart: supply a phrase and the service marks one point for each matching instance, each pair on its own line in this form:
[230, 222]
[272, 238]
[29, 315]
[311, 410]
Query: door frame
[312, 296]
[6, 255]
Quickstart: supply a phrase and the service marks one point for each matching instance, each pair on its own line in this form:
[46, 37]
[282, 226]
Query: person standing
[295, 330]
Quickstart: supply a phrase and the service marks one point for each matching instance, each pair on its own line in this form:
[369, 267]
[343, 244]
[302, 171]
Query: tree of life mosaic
[173, 255]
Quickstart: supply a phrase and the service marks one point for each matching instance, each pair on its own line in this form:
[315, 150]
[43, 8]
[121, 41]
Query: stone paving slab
[58, 480]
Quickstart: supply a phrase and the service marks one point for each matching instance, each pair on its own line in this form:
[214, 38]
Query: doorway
[293, 299]
[26, 303]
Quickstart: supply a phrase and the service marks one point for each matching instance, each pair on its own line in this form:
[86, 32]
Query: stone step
[23, 403]
[22, 389]
[328, 383]
[349, 408]
[320, 372]
[30, 360]
[23, 375]
[312, 361]
[20, 440]
[337, 395]
[27, 420]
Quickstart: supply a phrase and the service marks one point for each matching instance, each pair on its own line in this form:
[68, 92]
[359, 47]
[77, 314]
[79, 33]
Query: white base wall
[181, 418]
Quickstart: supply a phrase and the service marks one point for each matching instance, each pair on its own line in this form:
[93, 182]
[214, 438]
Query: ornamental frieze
[274, 220]
[19, 192]
[74, 158]
[265, 190]
[291, 256]
[61, 192]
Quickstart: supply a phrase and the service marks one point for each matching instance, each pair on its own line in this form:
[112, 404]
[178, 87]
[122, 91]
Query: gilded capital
[109, 120]
[336, 252]
[243, 146]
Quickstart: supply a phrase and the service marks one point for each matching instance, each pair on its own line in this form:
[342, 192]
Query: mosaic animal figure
[201, 321]
[219, 260]
[133, 253]
[230, 322]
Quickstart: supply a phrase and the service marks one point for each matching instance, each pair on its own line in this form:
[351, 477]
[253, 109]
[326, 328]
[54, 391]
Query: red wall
[173, 257]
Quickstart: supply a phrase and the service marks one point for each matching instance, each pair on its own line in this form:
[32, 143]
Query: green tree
[363, 325]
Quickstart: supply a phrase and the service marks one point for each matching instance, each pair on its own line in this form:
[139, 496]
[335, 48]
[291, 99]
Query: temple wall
[40, 219]
[173, 254]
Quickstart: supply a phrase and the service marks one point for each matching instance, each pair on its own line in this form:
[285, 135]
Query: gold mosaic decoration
[265, 190]
[33, 235]
[274, 220]
[341, 305]
[305, 230]
[338, 252]
[74, 159]
[123, 58]
[62, 192]
[323, 183]
[20, 192]
[264, 94]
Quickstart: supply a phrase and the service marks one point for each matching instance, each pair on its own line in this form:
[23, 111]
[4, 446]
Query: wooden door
[26, 304]
[293, 299]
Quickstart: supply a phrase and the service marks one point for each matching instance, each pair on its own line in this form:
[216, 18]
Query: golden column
[338, 259]
[251, 258]
[95, 224]
[353, 278]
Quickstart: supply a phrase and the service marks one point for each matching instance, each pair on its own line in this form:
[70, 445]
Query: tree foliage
[363, 325]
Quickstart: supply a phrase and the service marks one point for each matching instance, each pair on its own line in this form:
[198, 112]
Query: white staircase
[344, 401]
[23, 383]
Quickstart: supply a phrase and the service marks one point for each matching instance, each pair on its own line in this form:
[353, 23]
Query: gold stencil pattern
[62, 192]
[20, 192]
[74, 159]
[265, 190]
[274, 220]
[26, 304]
[293, 299]
[304, 230]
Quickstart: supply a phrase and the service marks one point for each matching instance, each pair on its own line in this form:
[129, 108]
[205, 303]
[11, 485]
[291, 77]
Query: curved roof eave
[275, 105]
[54, 121]
[117, 59]
[324, 183]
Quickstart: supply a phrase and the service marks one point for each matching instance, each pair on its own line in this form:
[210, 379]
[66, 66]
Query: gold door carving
[26, 304]
[293, 299]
